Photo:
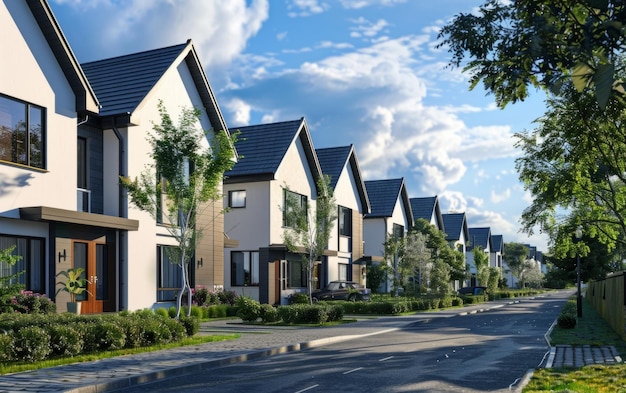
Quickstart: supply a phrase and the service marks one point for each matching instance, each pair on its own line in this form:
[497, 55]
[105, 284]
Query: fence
[608, 298]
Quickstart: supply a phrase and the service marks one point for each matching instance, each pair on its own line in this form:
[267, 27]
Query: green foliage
[515, 254]
[310, 314]
[29, 302]
[481, 261]
[437, 243]
[6, 348]
[568, 317]
[248, 309]
[513, 46]
[269, 313]
[310, 228]
[73, 284]
[494, 279]
[9, 286]
[185, 174]
[200, 296]
[65, 341]
[299, 298]
[191, 325]
[31, 344]
[375, 276]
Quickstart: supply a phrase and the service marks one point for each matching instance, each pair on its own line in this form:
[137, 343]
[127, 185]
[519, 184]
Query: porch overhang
[367, 259]
[301, 250]
[230, 243]
[52, 214]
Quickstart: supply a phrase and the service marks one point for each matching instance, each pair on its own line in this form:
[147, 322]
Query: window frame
[345, 221]
[251, 275]
[34, 276]
[231, 200]
[303, 204]
[164, 269]
[28, 135]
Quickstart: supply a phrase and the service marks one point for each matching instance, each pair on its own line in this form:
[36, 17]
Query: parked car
[342, 290]
[472, 291]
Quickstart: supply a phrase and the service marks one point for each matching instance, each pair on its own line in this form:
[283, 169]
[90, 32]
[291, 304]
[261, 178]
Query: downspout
[122, 248]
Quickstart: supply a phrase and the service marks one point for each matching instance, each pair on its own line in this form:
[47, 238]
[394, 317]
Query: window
[21, 132]
[237, 198]
[398, 231]
[343, 271]
[345, 221]
[296, 274]
[244, 268]
[168, 273]
[294, 207]
[31, 266]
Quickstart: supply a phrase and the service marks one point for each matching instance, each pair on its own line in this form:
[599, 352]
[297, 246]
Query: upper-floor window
[237, 198]
[398, 231]
[294, 208]
[22, 132]
[345, 221]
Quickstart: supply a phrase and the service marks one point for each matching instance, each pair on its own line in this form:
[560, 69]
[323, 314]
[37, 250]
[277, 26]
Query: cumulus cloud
[301, 8]
[356, 4]
[365, 28]
[497, 198]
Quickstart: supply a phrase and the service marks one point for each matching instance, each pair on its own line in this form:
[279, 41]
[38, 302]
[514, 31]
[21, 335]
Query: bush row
[201, 312]
[251, 310]
[567, 317]
[35, 337]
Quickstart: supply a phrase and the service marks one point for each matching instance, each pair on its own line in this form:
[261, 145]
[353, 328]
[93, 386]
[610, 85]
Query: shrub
[196, 312]
[29, 302]
[162, 312]
[227, 297]
[191, 325]
[31, 344]
[65, 340]
[6, 347]
[176, 329]
[200, 296]
[269, 313]
[566, 321]
[249, 309]
[109, 336]
[299, 298]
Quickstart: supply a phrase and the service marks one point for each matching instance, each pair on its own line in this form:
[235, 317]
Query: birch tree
[308, 230]
[185, 174]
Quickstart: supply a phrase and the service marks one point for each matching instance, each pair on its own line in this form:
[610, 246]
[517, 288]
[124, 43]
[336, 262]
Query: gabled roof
[497, 243]
[454, 224]
[122, 83]
[383, 196]
[332, 161]
[479, 237]
[262, 149]
[425, 208]
[86, 101]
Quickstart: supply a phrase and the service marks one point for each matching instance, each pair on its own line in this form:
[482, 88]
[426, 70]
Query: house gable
[428, 209]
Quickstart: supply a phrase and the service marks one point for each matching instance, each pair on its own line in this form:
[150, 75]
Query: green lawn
[591, 329]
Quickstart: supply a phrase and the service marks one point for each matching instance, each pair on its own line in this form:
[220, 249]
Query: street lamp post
[579, 304]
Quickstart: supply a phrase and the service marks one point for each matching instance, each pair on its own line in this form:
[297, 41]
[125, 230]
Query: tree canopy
[511, 46]
[185, 173]
[574, 164]
[515, 254]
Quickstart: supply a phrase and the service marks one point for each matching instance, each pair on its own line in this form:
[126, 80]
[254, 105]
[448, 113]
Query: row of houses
[68, 131]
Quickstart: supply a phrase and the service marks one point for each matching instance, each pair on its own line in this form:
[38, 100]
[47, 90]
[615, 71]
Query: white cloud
[497, 198]
[306, 8]
[365, 28]
[240, 111]
[356, 4]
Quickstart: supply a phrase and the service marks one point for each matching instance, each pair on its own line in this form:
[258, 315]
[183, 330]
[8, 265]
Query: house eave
[52, 214]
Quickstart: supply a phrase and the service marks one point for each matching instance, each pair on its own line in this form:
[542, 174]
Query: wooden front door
[92, 257]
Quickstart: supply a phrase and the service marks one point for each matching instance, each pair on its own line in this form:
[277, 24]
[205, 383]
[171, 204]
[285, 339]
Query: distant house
[455, 228]
[342, 165]
[428, 209]
[478, 238]
[61, 202]
[278, 160]
[390, 216]
[497, 251]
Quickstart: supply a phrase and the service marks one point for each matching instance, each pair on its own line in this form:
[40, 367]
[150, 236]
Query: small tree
[440, 277]
[310, 230]
[393, 253]
[515, 254]
[417, 258]
[9, 285]
[481, 261]
[185, 174]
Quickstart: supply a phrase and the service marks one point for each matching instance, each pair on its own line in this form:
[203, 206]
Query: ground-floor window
[168, 273]
[296, 274]
[244, 268]
[30, 269]
[343, 271]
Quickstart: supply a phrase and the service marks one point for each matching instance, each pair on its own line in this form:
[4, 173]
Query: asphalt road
[491, 351]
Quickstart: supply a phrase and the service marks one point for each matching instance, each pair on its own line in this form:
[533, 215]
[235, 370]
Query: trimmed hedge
[35, 337]
[567, 319]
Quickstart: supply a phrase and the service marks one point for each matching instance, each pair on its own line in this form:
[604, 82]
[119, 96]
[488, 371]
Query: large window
[398, 231]
[169, 274]
[294, 207]
[22, 132]
[296, 274]
[237, 198]
[244, 268]
[345, 221]
[30, 267]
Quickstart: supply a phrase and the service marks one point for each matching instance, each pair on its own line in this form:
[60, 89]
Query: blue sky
[362, 72]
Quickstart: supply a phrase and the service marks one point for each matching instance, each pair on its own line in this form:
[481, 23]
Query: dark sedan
[342, 290]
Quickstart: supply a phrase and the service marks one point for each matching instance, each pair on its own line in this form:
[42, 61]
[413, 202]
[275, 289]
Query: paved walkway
[255, 341]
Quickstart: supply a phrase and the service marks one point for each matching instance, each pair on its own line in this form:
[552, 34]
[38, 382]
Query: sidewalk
[255, 342]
